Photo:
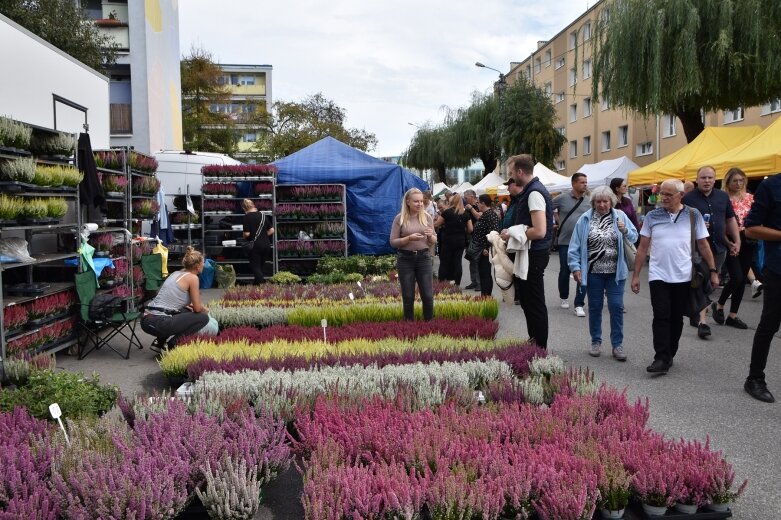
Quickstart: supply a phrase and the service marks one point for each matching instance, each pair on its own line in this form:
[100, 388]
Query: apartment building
[595, 131]
[250, 92]
[145, 102]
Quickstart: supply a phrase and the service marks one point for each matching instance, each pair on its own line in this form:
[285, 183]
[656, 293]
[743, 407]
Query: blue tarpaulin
[374, 188]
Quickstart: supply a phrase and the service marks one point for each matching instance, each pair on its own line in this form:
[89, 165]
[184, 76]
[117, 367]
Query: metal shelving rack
[210, 219]
[42, 259]
[286, 229]
[183, 232]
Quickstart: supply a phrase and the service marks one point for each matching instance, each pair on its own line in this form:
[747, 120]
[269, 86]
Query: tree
[203, 129]
[428, 151]
[687, 56]
[473, 132]
[291, 126]
[63, 24]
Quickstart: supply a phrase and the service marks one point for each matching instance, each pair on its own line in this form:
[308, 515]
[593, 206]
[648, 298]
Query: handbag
[249, 245]
[630, 252]
[699, 287]
[473, 252]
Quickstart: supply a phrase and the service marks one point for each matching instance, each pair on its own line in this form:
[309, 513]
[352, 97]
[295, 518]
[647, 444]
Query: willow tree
[527, 123]
[687, 56]
[427, 150]
[473, 132]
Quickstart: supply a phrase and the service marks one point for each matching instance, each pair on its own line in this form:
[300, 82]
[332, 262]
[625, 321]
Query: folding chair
[152, 265]
[98, 333]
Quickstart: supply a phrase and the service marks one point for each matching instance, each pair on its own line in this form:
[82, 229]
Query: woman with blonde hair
[454, 223]
[257, 233]
[177, 310]
[412, 233]
[734, 184]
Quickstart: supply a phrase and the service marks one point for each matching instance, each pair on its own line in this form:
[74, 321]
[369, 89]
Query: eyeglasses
[667, 195]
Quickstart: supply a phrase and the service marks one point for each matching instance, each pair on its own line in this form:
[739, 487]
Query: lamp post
[501, 85]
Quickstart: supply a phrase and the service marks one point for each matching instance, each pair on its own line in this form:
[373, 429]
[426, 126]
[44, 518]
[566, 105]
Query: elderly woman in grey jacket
[596, 260]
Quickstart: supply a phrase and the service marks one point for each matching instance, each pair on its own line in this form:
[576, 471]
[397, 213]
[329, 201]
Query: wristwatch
[713, 270]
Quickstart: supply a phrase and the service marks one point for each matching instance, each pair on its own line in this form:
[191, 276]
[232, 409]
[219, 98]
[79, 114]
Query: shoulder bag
[555, 242]
[249, 245]
[630, 251]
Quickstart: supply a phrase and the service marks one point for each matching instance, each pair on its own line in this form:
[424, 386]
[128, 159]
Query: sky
[386, 63]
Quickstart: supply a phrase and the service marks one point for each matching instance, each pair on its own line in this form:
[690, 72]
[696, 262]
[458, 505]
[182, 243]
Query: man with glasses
[668, 228]
[716, 208]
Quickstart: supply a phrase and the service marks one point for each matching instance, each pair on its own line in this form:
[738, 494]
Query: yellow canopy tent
[713, 141]
[757, 157]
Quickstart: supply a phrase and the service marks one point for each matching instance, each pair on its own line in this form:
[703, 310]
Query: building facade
[250, 93]
[595, 131]
[145, 87]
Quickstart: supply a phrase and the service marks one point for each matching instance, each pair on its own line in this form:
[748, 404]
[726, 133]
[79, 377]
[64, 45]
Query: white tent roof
[461, 188]
[438, 189]
[548, 177]
[492, 180]
[601, 173]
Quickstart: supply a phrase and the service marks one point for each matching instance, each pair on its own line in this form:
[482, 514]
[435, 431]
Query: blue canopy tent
[374, 188]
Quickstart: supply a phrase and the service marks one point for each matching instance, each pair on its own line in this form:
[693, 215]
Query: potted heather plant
[14, 318]
[34, 210]
[114, 185]
[614, 489]
[56, 208]
[102, 243]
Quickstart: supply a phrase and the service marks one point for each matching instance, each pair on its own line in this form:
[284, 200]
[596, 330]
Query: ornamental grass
[174, 363]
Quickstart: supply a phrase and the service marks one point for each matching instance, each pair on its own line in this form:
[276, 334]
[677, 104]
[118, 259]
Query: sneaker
[756, 288]
[718, 314]
[564, 304]
[703, 330]
[618, 353]
[735, 322]
[596, 350]
[579, 312]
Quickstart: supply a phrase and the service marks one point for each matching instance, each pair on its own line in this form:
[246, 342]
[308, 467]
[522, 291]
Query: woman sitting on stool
[177, 310]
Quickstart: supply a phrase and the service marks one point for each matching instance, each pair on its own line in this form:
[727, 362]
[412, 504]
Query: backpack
[104, 306]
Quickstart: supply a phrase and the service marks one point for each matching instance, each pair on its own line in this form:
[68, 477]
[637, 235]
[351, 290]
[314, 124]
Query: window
[561, 130]
[646, 148]
[573, 76]
[573, 40]
[548, 56]
[587, 145]
[560, 62]
[586, 69]
[586, 30]
[537, 65]
[559, 96]
[605, 15]
[623, 136]
[772, 107]
[587, 107]
[573, 112]
[561, 165]
[246, 80]
[528, 72]
[548, 88]
[573, 149]
[606, 141]
[668, 125]
[605, 103]
[730, 116]
[249, 138]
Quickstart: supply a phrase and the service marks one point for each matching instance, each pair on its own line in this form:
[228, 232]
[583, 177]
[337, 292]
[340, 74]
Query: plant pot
[720, 508]
[114, 194]
[654, 510]
[616, 515]
[101, 254]
[688, 509]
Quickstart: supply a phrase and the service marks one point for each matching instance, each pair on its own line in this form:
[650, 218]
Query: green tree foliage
[63, 24]
[473, 132]
[291, 126]
[683, 56]
[428, 150]
[202, 129]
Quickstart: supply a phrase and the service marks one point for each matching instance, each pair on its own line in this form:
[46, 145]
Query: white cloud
[386, 63]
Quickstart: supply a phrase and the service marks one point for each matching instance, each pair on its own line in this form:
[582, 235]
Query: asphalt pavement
[702, 395]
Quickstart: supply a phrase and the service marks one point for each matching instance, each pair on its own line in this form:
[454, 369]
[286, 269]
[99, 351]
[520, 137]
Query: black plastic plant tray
[25, 289]
[635, 512]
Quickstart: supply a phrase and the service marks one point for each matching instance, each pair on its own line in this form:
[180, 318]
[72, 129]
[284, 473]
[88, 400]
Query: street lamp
[501, 86]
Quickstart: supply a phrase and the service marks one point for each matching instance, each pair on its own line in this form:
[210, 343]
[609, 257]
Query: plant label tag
[54, 409]
[352, 296]
[324, 323]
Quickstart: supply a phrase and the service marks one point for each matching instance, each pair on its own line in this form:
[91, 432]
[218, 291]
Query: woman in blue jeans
[412, 234]
[596, 260]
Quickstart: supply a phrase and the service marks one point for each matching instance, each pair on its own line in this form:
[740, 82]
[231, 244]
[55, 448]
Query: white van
[176, 170]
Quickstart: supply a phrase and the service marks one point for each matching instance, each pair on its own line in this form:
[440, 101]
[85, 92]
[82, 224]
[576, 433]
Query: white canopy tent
[461, 188]
[438, 189]
[601, 173]
[547, 176]
[492, 180]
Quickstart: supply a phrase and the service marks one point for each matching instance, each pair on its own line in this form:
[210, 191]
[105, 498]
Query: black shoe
[757, 290]
[735, 322]
[758, 390]
[658, 367]
[718, 314]
[470, 286]
[703, 330]
[695, 321]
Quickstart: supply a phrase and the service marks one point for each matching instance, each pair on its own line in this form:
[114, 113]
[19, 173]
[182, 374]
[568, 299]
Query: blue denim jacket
[577, 256]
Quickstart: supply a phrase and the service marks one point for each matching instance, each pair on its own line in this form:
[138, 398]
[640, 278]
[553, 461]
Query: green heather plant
[10, 207]
[71, 176]
[285, 277]
[365, 265]
[13, 134]
[34, 208]
[56, 207]
[21, 169]
[53, 144]
[247, 315]
[44, 175]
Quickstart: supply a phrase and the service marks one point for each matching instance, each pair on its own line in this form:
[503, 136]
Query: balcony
[115, 30]
[121, 118]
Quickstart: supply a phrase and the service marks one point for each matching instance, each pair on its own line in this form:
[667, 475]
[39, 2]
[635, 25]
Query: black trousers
[769, 324]
[486, 280]
[450, 258]
[532, 296]
[178, 325]
[260, 254]
[737, 267]
[416, 269]
[668, 301]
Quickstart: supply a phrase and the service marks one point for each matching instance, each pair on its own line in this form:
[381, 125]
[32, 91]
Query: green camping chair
[152, 265]
[114, 320]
